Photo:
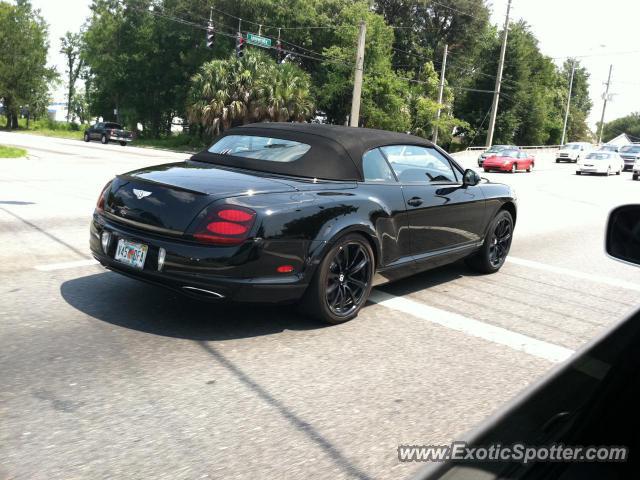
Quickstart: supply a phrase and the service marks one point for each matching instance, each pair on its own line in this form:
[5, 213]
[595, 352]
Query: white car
[601, 162]
[574, 151]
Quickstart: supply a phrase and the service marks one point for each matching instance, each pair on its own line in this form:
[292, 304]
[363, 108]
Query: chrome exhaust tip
[203, 292]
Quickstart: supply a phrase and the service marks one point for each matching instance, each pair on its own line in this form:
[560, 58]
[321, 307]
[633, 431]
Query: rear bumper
[120, 139]
[199, 271]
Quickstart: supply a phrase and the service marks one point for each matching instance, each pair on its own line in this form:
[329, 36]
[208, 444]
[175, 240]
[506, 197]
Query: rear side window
[376, 168]
[113, 125]
[260, 148]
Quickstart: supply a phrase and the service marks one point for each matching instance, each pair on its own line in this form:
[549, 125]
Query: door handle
[415, 201]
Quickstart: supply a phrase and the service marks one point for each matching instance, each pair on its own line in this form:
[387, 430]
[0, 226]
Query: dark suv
[629, 153]
[108, 132]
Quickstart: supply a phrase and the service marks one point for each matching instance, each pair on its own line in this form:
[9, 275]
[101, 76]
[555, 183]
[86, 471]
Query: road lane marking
[502, 336]
[60, 266]
[614, 282]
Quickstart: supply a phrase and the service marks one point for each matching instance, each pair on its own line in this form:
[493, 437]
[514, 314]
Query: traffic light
[240, 45]
[211, 34]
[279, 52]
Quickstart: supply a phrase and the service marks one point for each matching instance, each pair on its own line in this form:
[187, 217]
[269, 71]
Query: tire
[124, 144]
[635, 176]
[578, 172]
[577, 158]
[608, 171]
[557, 160]
[332, 275]
[86, 137]
[514, 167]
[486, 170]
[494, 250]
[104, 140]
[529, 168]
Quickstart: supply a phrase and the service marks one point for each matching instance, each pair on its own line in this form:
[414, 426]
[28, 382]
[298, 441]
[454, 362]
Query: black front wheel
[104, 140]
[494, 250]
[86, 137]
[342, 282]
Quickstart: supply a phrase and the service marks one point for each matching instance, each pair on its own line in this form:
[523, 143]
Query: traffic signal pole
[357, 79]
[496, 92]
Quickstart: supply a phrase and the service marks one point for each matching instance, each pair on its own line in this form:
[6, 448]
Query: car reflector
[285, 269]
[162, 253]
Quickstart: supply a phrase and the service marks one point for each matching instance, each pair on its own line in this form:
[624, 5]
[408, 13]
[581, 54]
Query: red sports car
[509, 161]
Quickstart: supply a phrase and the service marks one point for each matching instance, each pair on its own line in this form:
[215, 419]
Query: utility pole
[566, 113]
[605, 97]
[357, 80]
[496, 92]
[440, 92]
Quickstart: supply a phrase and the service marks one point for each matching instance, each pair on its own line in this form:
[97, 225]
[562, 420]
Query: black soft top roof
[335, 153]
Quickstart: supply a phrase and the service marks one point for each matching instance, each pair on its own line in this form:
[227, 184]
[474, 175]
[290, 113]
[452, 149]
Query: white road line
[60, 266]
[614, 282]
[469, 326]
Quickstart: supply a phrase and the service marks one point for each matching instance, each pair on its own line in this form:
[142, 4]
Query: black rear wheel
[342, 282]
[86, 137]
[104, 139]
[124, 144]
[494, 250]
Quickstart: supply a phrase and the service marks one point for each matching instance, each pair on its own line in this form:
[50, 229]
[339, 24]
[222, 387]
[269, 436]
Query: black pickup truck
[107, 132]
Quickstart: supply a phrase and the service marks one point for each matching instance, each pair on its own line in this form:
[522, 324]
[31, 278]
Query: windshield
[609, 148]
[497, 148]
[572, 146]
[509, 153]
[599, 156]
[260, 148]
[630, 149]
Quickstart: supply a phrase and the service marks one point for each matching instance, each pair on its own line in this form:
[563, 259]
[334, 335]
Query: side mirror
[470, 178]
[622, 240]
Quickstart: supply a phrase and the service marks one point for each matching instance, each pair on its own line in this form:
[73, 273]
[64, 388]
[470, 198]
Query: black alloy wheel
[348, 278]
[500, 242]
[493, 253]
[342, 281]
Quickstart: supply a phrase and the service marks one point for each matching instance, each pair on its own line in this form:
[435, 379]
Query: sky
[602, 33]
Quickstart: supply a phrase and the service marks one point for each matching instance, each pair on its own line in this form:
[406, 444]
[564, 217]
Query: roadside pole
[440, 92]
[357, 80]
[605, 97]
[566, 113]
[496, 91]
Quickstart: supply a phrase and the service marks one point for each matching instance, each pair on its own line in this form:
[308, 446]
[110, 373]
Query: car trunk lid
[168, 197]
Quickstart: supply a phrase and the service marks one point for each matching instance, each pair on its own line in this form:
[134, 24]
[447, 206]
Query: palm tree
[284, 95]
[248, 89]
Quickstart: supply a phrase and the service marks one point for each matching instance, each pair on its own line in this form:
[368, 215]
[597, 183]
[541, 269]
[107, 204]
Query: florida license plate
[131, 253]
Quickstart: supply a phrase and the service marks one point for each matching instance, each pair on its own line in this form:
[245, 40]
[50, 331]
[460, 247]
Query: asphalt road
[105, 377]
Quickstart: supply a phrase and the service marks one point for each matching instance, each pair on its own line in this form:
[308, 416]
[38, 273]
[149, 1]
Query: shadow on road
[131, 304]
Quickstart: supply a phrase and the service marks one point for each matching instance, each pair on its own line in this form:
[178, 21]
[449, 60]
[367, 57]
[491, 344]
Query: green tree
[384, 104]
[70, 47]
[24, 75]
[629, 124]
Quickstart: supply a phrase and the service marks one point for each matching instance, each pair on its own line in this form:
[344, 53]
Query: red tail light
[100, 203]
[228, 225]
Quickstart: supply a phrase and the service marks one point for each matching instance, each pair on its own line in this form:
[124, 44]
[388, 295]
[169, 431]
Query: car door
[444, 216]
[95, 130]
[390, 221]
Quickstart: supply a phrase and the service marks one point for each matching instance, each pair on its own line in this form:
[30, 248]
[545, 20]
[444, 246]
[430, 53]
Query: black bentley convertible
[276, 212]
